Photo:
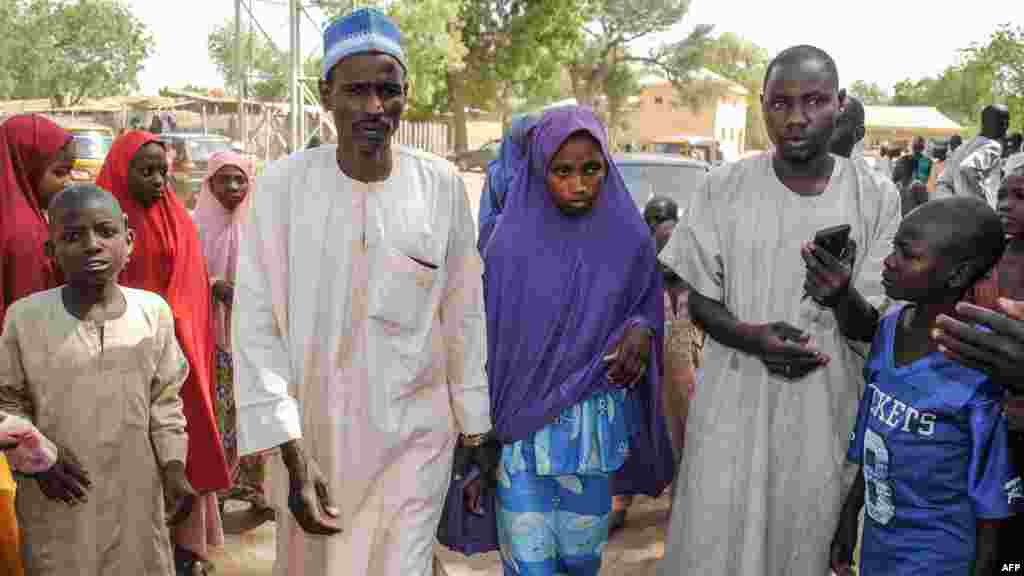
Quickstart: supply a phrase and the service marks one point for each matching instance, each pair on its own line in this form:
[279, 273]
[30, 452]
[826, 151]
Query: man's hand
[628, 360]
[309, 498]
[999, 353]
[224, 292]
[486, 457]
[843, 544]
[785, 351]
[67, 481]
[179, 496]
[827, 278]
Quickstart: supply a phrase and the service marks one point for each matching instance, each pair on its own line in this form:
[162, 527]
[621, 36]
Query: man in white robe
[358, 326]
[763, 471]
[973, 169]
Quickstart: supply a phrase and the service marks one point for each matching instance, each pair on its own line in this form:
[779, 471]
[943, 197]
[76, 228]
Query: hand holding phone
[834, 240]
[828, 270]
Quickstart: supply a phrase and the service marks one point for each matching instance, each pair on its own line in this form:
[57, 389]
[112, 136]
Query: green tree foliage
[604, 62]
[8, 49]
[614, 26]
[744, 62]
[190, 88]
[69, 50]
[1001, 59]
[869, 93]
[266, 67]
[513, 49]
[433, 48]
[987, 72]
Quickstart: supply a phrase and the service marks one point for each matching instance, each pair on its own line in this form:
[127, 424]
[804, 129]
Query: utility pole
[295, 72]
[242, 69]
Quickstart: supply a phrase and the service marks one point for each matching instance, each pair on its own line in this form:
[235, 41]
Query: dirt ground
[632, 552]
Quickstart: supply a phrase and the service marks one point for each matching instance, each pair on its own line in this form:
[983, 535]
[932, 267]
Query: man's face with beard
[801, 102]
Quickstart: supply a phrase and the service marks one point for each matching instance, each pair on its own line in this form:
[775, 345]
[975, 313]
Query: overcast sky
[875, 40]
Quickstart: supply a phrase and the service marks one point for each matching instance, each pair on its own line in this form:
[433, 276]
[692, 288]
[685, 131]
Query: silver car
[650, 175]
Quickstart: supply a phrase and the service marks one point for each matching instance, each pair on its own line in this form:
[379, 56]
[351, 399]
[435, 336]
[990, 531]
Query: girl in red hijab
[168, 259]
[35, 164]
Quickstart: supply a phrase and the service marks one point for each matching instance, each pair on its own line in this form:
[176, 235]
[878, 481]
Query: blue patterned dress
[554, 488]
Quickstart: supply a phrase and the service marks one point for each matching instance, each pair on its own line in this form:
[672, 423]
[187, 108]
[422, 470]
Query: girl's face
[147, 174]
[56, 176]
[1011, 205]
[230, 187]
[576, 173]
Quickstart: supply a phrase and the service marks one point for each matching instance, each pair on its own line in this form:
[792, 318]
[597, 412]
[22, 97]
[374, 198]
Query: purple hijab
[560, 293]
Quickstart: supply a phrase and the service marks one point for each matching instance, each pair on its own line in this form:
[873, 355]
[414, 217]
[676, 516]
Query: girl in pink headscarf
[221, 206]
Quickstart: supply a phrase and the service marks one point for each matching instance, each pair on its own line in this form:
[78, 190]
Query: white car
[671, 175]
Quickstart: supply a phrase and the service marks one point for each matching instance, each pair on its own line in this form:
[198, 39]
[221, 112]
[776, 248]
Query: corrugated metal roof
[112, 104]
[923, 118]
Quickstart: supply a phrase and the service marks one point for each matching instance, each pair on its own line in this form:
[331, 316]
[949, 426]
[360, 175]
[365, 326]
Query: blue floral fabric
[554, 489]
[591, 437]
[550, 525]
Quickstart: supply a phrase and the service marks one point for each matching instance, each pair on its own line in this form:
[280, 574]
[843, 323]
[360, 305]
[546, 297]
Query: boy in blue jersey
[930, 437]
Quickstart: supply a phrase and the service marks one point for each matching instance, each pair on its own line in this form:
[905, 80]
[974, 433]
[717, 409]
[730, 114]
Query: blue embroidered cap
[364, 30]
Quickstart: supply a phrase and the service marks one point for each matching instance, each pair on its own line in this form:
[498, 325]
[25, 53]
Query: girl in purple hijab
[575, 320]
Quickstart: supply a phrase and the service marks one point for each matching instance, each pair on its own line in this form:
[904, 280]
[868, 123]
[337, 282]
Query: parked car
[476, 159]
[91, 144]
[671, 175]
[192, 153]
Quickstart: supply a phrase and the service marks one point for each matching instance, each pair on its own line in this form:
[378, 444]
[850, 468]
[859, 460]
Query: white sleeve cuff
[473, 411]
[266, 425]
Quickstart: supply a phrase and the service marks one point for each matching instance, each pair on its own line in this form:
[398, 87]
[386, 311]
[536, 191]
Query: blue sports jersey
[932, 441]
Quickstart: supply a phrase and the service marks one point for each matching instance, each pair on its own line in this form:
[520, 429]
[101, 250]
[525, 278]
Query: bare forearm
[987, 548]
[855, 497]
[857, 318]
[719, 323]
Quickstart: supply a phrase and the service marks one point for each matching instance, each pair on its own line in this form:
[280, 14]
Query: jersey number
[876, 478]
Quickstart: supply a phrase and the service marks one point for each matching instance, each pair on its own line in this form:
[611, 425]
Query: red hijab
[28, 144]
[168, 259]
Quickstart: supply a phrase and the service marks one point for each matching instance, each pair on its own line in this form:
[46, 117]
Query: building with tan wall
[656, 115]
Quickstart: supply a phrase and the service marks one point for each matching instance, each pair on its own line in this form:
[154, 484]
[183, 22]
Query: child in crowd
[96, 367]
[930, 436]
[682, 340]
[1007, 281]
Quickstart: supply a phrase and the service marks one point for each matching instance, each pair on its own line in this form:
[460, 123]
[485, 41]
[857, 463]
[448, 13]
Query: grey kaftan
[763, 468]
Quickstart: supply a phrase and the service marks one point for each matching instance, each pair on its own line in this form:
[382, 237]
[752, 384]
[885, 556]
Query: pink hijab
[219, 229]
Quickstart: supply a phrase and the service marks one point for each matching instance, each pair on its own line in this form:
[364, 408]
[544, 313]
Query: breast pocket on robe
[401, 306]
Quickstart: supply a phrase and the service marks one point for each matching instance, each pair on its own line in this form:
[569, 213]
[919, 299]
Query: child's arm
[166, 412]
[167, 421]
[60, 474]
[845, 539]
[992, 481]
[985, 557]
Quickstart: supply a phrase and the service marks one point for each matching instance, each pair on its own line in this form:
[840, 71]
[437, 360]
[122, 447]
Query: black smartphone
[833, 239]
